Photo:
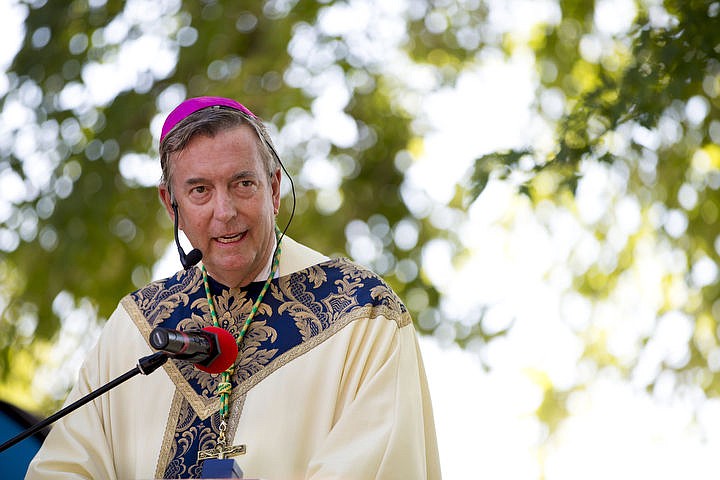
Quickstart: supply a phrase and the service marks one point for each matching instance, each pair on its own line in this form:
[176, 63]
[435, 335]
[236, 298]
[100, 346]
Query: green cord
[224, 387]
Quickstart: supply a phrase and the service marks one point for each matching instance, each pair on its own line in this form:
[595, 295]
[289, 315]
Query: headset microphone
[195, 255]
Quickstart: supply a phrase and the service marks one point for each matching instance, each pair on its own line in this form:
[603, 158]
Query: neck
[265, 272]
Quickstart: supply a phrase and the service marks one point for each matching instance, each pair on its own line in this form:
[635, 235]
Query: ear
[166, 199]
[275, 185]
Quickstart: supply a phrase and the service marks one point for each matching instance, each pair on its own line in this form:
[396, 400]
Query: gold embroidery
[316, 313]
[167, 451]
[252, 359]
[312, 317]
[181, 373]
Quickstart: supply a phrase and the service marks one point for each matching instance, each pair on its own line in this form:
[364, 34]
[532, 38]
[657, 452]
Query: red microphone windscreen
[228, 351]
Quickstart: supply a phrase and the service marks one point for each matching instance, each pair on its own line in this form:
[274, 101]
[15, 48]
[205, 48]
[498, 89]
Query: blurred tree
[641, 102]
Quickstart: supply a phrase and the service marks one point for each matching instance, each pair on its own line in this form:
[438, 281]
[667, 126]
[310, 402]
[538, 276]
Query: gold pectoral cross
[221, 450]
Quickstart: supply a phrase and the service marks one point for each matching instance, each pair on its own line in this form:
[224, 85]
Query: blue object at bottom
[221, 468]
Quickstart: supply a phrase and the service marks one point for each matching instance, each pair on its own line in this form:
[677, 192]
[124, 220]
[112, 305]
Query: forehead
[235, 148]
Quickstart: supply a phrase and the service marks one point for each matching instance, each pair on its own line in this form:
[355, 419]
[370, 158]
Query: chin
[233, 268]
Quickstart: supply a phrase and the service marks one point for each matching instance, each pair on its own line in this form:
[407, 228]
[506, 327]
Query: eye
[199, 192]
[245, 184]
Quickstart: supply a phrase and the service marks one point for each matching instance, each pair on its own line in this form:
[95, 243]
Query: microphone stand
[145, 365]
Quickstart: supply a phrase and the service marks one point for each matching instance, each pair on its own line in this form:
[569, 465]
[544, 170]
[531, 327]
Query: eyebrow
[238, 176]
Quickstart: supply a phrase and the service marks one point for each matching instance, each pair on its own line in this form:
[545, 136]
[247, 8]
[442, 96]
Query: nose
[224, 207]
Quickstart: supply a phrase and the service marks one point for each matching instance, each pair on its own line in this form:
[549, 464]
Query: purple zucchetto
[192, 105]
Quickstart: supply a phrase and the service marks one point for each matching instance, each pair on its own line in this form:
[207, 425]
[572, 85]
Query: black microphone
[191, 258]
[211, 349]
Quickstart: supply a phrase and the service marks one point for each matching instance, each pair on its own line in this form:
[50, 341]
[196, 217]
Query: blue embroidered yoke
[298, 311]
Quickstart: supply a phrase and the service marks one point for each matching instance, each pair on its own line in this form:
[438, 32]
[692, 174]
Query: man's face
[226, 203]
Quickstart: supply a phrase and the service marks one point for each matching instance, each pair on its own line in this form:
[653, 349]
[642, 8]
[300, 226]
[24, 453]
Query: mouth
[231, 238]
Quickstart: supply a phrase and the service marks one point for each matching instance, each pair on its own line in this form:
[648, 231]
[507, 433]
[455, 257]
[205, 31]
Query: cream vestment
[329, 383]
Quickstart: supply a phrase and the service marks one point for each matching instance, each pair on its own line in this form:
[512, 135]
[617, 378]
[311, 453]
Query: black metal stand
[146, 366]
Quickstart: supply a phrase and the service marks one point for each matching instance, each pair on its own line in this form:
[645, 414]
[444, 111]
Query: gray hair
[209, 122]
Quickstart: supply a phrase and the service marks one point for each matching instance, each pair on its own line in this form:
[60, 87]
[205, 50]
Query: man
[328, 382]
